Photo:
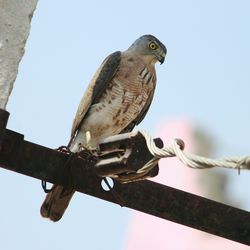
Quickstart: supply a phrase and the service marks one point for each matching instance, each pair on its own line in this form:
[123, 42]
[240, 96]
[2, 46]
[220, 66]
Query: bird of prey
[116, 100]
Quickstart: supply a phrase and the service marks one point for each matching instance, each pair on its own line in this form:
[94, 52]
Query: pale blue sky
[205, 78]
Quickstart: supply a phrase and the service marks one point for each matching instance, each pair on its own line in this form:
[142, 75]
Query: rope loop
[190, 160]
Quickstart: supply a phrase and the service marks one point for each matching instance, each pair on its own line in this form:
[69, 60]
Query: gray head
[149, 45]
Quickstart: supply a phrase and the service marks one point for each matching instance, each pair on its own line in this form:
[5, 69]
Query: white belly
[110, 117]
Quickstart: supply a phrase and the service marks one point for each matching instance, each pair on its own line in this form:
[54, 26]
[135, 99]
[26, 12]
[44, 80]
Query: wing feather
[102, 77]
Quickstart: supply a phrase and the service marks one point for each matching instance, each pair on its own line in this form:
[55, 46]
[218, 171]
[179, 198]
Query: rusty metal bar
[146, 196]
[187, 209]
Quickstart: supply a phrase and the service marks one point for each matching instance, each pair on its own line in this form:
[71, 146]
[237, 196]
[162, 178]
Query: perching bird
[116, 100]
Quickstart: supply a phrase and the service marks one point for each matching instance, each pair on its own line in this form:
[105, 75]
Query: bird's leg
[87, 144]
[88, 137]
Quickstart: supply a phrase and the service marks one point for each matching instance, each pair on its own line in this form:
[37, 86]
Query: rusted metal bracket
[122, 155]
[85, 172]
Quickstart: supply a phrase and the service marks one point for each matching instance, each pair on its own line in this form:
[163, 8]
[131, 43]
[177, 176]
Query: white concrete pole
[15, 17]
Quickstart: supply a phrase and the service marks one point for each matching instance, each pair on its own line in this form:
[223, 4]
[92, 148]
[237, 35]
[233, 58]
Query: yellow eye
[153, 46]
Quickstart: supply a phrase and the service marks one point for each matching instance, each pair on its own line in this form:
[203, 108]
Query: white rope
[190, 160]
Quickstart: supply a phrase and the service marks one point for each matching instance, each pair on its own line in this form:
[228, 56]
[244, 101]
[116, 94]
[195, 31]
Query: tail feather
[56, 202]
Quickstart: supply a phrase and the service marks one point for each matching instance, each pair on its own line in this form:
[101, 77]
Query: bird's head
[149, 45]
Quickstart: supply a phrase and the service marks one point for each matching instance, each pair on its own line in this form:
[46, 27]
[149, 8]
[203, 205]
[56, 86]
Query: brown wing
[102, 77]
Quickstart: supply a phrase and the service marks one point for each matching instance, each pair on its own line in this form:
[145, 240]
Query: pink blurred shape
[146, 232]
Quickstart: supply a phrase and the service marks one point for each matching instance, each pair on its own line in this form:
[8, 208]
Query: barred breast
[121, 102]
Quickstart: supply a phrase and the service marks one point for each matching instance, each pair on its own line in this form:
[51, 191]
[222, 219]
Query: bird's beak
[161, 57]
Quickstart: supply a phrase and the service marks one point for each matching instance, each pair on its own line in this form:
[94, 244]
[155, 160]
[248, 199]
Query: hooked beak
[161, 57]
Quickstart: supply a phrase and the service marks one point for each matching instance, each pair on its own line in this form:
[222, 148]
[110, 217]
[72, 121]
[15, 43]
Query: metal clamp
[122, 155]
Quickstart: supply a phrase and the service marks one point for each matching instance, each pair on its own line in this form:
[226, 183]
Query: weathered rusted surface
[146, 196]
